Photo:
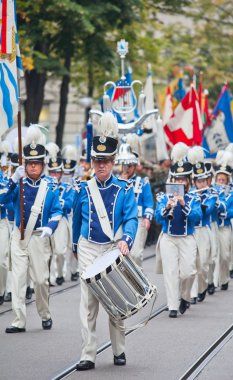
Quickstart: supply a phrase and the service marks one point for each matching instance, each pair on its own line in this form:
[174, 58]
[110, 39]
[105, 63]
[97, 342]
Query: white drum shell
[121, 287]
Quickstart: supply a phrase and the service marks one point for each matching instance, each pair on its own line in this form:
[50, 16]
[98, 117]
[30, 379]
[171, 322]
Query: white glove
[19, 173]
[46, 232]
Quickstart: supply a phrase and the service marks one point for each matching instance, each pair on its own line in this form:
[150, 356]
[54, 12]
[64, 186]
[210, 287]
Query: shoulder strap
[100, 208]
[35, 210]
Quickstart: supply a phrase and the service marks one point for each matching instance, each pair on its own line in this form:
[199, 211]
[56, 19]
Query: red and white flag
[7, 25]
[185, 125]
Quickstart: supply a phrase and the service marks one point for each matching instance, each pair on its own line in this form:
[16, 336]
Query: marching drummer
[95, 229]
[177, 247]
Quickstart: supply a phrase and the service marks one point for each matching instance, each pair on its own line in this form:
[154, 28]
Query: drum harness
[106, 227]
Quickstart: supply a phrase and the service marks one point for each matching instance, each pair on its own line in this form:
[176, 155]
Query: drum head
[101, 263]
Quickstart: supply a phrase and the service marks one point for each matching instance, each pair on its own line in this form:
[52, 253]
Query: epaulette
[159, 196]
[129, 185]
[77, 185]
[146, 180]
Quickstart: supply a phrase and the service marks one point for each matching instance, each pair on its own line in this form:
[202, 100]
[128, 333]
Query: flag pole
[20, 163]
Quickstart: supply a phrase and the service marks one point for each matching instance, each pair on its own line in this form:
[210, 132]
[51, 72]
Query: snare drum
[118, 284]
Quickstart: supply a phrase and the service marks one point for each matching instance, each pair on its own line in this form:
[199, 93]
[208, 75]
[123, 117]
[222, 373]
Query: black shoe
[193, 301]
[85, 365]
[231, 273]
[224, 286]
[120, 360]
[201, 296]
[29, 293]
[7, 297]
[211, 289]
[13, 329]
[173, 314]
[1, 299]
[47, 325]
[60, 280]
[74, 276]
[183, 306]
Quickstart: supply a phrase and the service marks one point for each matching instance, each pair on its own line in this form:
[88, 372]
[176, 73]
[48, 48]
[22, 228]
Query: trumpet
[170, 214]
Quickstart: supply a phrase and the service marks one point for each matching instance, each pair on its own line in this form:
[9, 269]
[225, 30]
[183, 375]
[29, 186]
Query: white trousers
[59, 241]
[89, 306]
[139, 243]
[225, 254]
[36, 258]
[178, 256]
[4, 251]
[203, 240]
[213, 276]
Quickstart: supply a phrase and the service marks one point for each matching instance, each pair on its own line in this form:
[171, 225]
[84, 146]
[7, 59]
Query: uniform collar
[33, 183]
[105, 183]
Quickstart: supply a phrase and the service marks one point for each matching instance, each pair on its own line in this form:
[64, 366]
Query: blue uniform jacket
[208, 201]
[51, 210]
[184, 218]
[3, 182]
[225, 207]
[65, 192]
[120, 204]
[144, 198]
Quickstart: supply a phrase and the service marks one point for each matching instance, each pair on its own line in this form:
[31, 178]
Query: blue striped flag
[10, 65]
[220, 132]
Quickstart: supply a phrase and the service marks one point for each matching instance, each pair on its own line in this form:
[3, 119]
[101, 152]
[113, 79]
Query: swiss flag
[185, 125]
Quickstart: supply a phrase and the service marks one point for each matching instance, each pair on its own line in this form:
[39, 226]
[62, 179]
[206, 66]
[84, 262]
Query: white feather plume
[179, 152]
[34, 135]
[16, 144]
[52, 149]
[219, 156]
[133, 140]
[108, 126]
[69, 152]
[224, 158]
[5, 147]
[196, 154]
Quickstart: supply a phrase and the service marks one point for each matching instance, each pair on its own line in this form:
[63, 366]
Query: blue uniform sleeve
[77, 216]
[161, 212]
[55, 211]
[192, 210]
[67, 199]
[8, 193]
[130, 217]
[148, 203]
[209, 203]
[229, 208]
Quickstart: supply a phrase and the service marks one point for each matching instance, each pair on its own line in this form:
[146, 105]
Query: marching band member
[142, 191]
[42, 213]
[177, 246]
[89, 239]
[214, 265]
[223, 172]
[61, 237]
[5, 236]
[202, 227]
